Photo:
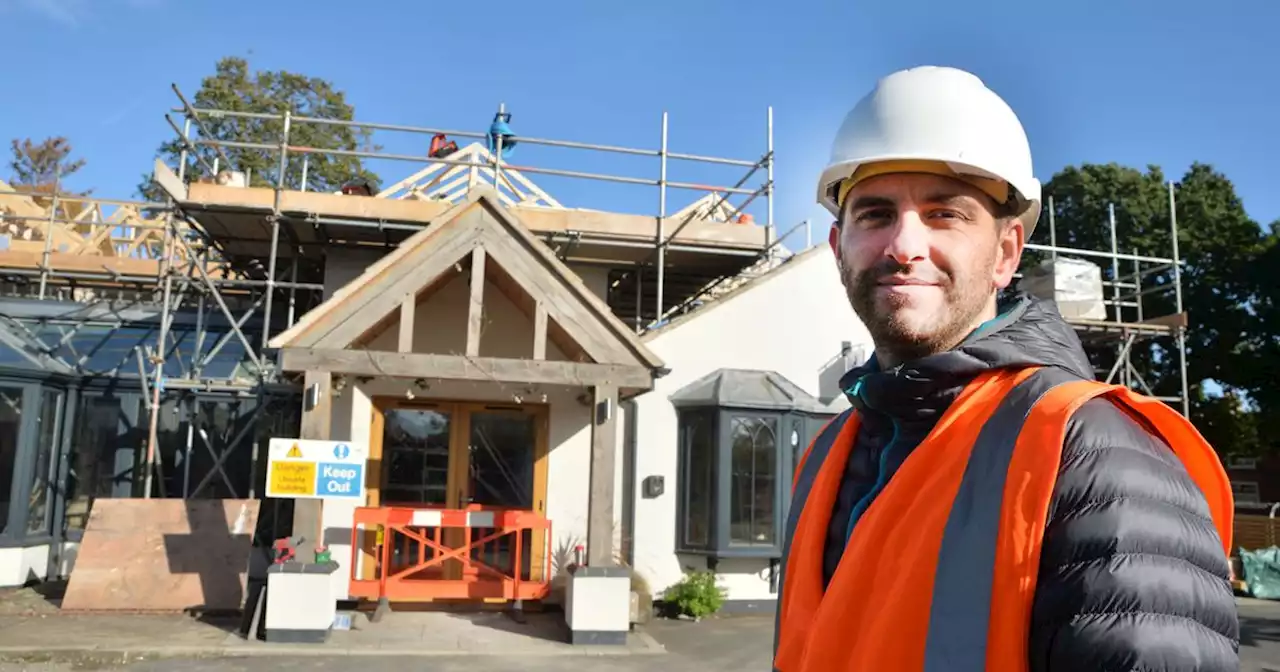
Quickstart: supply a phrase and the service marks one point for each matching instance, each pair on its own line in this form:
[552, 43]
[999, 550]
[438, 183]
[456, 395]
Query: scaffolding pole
[769, 183]
[159, 357]
[275, 228]
[1177, 297]
[662, 217]
[48, 232]
[1053, 232]
[1115, 263]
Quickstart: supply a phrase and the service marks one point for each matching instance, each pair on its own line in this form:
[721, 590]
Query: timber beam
[475, 306]
[458, 367]
[604, 449]
[308, 526]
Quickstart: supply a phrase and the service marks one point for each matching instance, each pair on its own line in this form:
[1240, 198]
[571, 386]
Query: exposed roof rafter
[452, 183]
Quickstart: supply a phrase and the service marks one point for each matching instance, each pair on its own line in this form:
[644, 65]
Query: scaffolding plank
[166, 179]
[371, 209]
[107, 267]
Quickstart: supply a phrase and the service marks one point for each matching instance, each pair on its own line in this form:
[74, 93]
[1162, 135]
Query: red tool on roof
[441, 146]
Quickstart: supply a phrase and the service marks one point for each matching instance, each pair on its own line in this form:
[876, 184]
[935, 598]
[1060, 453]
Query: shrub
[696, 595]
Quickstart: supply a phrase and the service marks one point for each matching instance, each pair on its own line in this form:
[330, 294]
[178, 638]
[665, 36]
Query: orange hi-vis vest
[940, 572]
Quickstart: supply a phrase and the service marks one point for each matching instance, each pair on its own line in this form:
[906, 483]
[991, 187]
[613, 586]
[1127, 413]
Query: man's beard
[964, 298]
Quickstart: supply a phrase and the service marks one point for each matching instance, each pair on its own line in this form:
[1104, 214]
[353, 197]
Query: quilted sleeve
[1132, 574]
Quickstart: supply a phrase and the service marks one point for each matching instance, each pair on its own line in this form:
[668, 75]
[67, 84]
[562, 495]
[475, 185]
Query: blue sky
[1136, 82]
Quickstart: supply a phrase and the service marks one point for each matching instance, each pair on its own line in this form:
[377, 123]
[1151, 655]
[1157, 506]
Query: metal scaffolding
[1129, 321]
[664, 233]
[125, 295]
[201, 317]
[177, 316]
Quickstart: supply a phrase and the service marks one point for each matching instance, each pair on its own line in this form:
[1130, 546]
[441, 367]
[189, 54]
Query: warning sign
[311, 469]
[292, 479]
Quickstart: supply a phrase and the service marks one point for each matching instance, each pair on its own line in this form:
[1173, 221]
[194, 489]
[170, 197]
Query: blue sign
[341, 451]
[339, 480]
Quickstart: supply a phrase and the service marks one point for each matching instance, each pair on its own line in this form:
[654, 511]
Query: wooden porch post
[315, 425]
[604, 439]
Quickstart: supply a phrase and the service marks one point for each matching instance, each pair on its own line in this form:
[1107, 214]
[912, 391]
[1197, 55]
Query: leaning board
[163, 555]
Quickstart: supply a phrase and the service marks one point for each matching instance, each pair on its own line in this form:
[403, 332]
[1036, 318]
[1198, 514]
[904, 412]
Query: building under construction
[150, 350]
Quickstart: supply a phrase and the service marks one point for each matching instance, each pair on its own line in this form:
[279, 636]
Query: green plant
[696, 595]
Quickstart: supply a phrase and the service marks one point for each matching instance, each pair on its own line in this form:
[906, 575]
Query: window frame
[803, 425]
[1238, 489]
[1242, 462]
[131, 415]
[14, 533]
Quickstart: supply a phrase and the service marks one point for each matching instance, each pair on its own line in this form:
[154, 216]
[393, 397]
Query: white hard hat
[934, 116]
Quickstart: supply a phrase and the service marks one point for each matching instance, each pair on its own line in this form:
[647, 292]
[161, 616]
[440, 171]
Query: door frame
[459, 439]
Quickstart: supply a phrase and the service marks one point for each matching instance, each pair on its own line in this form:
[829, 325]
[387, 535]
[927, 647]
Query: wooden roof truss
[452, 183]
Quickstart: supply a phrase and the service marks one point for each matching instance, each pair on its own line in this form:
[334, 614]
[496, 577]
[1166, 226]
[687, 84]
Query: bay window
[738, 438]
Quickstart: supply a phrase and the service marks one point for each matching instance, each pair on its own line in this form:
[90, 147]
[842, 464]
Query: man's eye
[946, 214]
[874, 215]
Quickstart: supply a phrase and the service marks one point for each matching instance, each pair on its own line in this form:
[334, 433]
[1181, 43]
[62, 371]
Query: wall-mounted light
[312, 397]
[419, 386]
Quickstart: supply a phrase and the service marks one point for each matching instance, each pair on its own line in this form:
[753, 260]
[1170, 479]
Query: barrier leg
[384, 604]
[383, 608]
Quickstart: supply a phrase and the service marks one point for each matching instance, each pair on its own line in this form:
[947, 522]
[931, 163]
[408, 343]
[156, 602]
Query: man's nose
[909, 239]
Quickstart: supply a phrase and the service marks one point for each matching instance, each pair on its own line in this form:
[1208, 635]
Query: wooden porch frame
[495, 247]
[489, 242]
[461, 367]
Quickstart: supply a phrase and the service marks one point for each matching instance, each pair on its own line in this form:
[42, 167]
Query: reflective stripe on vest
[940, 571]
[806, 473]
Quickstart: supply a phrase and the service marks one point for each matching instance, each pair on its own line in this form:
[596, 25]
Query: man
[985, 505]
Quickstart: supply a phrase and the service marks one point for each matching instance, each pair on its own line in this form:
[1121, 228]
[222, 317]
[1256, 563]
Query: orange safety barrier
[425, 554]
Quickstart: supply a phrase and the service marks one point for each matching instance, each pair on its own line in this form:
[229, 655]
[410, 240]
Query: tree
[1264, 371]
[1218, 244]
[234, 88]
[39, 166]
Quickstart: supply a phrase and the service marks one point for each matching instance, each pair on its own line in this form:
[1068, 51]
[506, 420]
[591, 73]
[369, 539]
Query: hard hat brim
[835, 174]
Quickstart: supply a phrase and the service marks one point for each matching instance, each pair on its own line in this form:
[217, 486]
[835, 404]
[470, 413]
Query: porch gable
[486, 242]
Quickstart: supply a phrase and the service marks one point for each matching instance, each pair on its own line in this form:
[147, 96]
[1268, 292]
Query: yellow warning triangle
[295, 451]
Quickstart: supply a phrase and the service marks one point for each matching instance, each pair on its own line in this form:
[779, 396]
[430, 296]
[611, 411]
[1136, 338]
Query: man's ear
[1011, 241]
[833, 238]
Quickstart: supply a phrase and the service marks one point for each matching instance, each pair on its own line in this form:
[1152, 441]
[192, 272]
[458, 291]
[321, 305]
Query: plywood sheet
[163, 555]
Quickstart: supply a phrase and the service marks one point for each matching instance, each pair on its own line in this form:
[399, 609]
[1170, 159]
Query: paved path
[737, 644]
[1259, 635]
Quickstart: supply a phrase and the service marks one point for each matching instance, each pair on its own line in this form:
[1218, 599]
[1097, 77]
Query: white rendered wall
[791, 322]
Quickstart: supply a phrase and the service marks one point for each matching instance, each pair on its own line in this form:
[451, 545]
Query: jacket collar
[1027, 332]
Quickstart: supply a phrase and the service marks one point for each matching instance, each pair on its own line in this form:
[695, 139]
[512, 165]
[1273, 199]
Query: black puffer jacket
[1132, 575]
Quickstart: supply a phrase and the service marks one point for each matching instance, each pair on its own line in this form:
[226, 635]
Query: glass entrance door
[417, 452]
[418, 456]
[500, 456]
[461, 456]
